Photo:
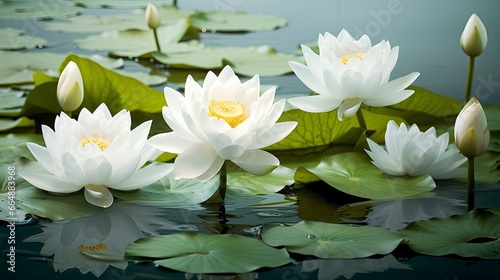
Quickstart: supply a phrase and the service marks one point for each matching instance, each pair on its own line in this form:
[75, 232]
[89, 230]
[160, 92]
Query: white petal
[98, 196]
[144, 176]
[212, 170]
[122, 173]
[194, 161]
[169, 142]
[315, 103]
[49, 182]
[43, 157]
[277, 133]
[97, 172]
[392, 92]
[306, 76]
[348, 108]
[257, 162]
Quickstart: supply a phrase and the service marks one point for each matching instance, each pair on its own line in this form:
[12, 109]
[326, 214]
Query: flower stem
[361, 120]
[470, 183]
[469, 78]
[174, 3]
[156, 39]
[222, 183]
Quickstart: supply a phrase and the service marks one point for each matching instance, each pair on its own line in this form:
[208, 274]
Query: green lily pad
[228, 21]
[37, 10]
[325, 240]
[493, 117]
[15, 39]
[353, 173]
[18, 67]
[170, 192]
[475, 234]
[115, 22]
[202, 253]
[6, 124]
[266, 184]
[10, 98]
[101, 86]
[135, 42]
[249, 61]
[118, 3]
[13, 146]
[145, 78]
[485, 168]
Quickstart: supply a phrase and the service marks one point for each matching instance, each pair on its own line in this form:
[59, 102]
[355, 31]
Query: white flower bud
[70, 88]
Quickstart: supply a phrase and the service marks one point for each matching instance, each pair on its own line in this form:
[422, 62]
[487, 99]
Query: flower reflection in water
[97, 242]
[330, 269]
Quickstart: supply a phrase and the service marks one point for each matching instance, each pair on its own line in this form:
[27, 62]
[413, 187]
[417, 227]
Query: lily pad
[249, 61]
[475, 234]
[118, 3]
[18, 67]
[37, 10]
[325, 240]
[169, 192]
[10, 99]
[15, 39]
[135, 42]
[266, 184]
[228, 21]
[485, 168]
[13, 146]
[6, 124]
[353, 173]
[493, 117]
[203, 253]
[115, 22]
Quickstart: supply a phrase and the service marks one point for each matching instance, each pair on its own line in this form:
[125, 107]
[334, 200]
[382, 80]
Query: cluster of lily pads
[225, 129]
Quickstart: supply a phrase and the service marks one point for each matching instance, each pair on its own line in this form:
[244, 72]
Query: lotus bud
[70, 88]
[472, 134]
[474, 37]
[152, 16]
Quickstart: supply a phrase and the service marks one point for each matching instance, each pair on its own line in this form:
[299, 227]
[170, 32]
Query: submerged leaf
[353, 173]
[475, 234]
[203, 253]
[325, 240]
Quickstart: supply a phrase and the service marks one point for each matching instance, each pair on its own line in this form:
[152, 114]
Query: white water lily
[412, 152]
[472, 134]
[70, 88]
[96, 152]
[347, 73]
[223, 120]
[474, 37]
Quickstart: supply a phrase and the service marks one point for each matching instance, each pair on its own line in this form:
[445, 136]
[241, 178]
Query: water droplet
[253, 229]
[186, 227]
[40, 46]
[203, 30]
[310, 236]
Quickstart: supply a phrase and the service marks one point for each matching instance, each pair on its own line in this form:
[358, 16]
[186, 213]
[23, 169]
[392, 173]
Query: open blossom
[412, 152]
[347, 73]
[222, 120]
[96, 152]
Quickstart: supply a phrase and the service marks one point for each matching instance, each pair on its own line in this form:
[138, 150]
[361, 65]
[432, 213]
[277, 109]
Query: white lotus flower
[223, 120]
[412, 152]
[70, 88]
[472, 134]
[474, 37]
[347, 73]
[96, 152]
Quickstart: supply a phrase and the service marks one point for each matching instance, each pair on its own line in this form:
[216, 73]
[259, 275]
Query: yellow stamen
[232, 112]
[101, 143]
[346, 58]
[94, 248]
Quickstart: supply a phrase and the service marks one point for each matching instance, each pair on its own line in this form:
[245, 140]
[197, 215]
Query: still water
[427, 33]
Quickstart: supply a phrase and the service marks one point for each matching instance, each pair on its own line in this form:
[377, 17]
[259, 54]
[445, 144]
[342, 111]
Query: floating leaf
[139, 42]
[486, 168]
[18, 68]
[37, 10]
[266, 184]
[15, 39]
[353, 173]
[202, 253]
[228, 21]
[248, 61]
[6, 124]
[118, 3]
[170, 192]
[493, 117]
[101, 86]
[475, 234]
[13, 146]
[115, 22]
[10, 99]
[325, 240]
